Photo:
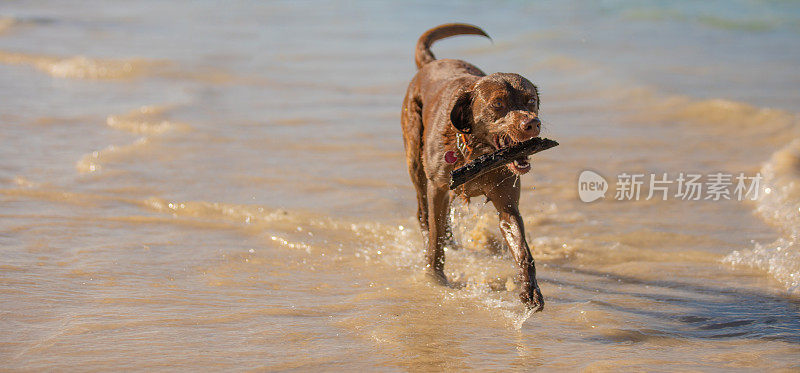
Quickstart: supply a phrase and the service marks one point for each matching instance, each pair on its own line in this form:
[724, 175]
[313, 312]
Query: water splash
[778, 203]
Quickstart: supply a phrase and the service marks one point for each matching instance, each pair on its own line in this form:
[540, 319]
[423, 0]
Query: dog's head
[500, 110]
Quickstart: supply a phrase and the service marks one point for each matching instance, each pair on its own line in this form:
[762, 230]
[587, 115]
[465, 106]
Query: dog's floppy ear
[461, 114]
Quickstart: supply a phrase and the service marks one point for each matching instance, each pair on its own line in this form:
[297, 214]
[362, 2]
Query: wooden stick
[499, 158]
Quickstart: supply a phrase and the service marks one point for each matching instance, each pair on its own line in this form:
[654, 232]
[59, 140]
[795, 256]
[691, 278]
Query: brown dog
[453, 112]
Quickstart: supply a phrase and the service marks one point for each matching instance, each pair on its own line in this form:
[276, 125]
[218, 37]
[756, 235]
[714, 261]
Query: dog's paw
[532, 297]
[436, 277]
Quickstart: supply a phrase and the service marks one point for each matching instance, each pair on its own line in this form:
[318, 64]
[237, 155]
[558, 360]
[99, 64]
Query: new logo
[591, 186]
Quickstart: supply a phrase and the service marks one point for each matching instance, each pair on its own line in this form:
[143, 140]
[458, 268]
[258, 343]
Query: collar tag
[450, 157]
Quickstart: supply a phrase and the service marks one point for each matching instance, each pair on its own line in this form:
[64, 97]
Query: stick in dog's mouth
[516, 155]
[519, 166]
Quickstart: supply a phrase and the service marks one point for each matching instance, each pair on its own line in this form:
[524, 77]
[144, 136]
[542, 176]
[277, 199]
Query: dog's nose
[532, 126]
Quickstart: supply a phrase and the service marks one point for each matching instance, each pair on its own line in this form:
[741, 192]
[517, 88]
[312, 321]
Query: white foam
[778, 203]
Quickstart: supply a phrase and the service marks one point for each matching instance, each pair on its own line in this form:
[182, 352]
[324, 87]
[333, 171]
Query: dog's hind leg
[411, 120]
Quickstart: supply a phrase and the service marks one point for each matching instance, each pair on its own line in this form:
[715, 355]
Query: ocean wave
[779, 204]
[93, 161]
[253, 215]
[779, 195]
[731, 114]
[146, 120]
[716, 114]
[80, 67]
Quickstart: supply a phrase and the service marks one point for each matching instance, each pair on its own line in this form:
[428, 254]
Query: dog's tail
[423, 53]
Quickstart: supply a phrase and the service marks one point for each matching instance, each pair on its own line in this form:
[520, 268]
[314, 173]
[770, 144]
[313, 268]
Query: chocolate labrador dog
[453, 113]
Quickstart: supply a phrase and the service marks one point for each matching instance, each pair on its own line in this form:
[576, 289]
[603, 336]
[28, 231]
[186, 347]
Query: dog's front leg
[506, 201]
[513, 230]
[438, 205]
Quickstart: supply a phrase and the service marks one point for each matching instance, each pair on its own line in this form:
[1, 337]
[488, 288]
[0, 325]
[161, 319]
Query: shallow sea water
[201, 186]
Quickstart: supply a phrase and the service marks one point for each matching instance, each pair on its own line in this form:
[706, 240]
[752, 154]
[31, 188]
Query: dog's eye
[532, 102]
[498, 104]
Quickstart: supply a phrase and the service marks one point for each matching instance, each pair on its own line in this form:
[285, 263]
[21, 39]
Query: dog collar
[461, 144]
